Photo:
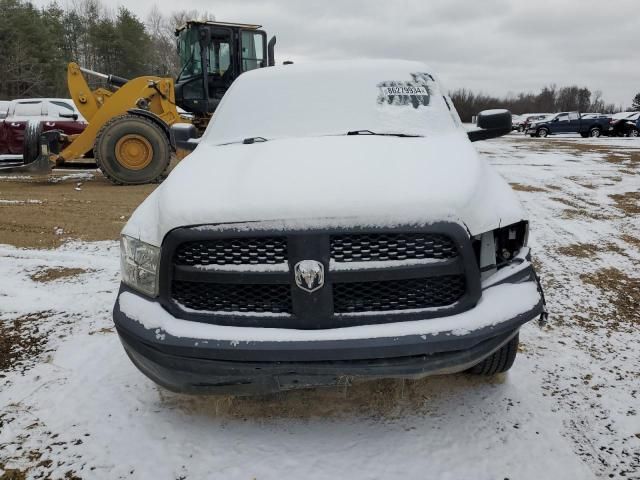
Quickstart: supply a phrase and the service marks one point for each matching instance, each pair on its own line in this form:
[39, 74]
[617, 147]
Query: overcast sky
[494, 46]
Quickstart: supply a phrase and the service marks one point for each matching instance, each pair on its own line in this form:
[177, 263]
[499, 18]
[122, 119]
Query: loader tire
[31, 142]
[132, 150]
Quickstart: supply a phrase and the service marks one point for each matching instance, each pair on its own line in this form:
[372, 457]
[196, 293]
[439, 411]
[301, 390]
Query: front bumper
[193, 357]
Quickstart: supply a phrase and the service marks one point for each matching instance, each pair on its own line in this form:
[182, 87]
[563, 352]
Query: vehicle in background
[516, 122]
[528, 118]
[53, 113]
[4, 108]
[625, 124]
[570, 122]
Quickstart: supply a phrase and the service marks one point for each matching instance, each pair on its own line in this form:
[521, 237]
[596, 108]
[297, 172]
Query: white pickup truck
[333, 223]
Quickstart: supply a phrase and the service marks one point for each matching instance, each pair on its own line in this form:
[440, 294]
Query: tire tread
[499, 361]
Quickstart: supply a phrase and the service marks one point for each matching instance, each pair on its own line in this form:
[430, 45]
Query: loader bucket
[48, 145]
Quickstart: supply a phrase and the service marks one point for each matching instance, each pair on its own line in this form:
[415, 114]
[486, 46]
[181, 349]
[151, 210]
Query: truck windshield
[397, 98]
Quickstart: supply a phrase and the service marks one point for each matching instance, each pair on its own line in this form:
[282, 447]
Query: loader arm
[154, 94]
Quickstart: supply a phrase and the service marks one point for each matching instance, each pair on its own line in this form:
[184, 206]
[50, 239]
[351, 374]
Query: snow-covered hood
[333, 180]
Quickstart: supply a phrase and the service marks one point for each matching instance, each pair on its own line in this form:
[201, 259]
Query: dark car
[53, 113]
[627, 125]
[528, 119]
[571, 122]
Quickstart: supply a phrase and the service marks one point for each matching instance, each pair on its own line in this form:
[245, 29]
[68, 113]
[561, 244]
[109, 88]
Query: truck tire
[634, 132]
[595, 132]
[499, 361]
[132, 150]
[31, 142]
[542, 132]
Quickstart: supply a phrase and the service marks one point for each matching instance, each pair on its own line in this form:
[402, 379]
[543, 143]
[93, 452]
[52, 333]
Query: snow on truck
[334, 222]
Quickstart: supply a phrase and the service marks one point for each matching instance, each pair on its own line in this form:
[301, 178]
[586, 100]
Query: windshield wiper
[250, 140]
[369, 132]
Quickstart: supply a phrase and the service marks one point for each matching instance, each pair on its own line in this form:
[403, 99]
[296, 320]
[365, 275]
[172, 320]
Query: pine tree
[636, 102]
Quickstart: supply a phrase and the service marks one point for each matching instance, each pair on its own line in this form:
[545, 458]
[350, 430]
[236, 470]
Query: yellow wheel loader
[129, 120]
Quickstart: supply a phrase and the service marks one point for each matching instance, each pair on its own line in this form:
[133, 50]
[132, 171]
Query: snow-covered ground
[72, 404]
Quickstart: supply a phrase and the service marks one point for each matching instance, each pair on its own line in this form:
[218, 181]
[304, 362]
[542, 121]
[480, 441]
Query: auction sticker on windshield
[405, 90]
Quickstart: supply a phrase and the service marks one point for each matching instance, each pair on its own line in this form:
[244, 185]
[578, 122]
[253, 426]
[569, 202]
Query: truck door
[574, 123]
[560, 124]
[16, 123]
[60, 115]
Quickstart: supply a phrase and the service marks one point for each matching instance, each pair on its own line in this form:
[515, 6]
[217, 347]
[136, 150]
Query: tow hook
[544, 315]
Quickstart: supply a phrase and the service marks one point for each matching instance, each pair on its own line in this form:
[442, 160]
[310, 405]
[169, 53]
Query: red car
[54, 113]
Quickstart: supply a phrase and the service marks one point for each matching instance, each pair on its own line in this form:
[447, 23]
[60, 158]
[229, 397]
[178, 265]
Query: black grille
[216, 297]
[391, 295]
[233, 251]
[391, 246]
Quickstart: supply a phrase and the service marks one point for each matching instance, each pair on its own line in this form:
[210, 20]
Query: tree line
[550, 99]
[37, 43]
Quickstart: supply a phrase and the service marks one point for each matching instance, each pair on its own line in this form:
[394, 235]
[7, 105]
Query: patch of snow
[412, 262]
[20, 202]
[347, 96]
[246, 268]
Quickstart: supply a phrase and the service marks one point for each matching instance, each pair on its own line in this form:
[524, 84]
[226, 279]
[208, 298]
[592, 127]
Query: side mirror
[69, 115]
[184, 136]
[492, 124]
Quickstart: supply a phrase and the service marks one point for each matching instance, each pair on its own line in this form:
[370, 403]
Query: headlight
[139, 264]
[496, 249]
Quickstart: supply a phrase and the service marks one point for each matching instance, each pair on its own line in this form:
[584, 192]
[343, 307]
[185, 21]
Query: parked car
[527, 118]
[54, 113]
[355, 234]
[570, 122]
[516, 122]
[626, 124]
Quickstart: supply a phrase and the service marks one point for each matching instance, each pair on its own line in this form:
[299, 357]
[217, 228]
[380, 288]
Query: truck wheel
[634, 132]
[542, 132]
[132, 150]
[31, 142]
[499, 361]
[595, 132]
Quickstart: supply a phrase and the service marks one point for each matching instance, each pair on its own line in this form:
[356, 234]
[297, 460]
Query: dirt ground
[69, 204]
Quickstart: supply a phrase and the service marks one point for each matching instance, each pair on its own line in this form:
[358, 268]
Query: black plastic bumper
[206, 376]
[191, 365]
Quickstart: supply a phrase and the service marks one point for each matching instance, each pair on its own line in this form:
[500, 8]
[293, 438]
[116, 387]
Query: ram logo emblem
[309, 275]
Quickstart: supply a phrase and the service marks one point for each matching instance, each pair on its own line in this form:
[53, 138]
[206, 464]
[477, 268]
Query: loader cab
[212, 55]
